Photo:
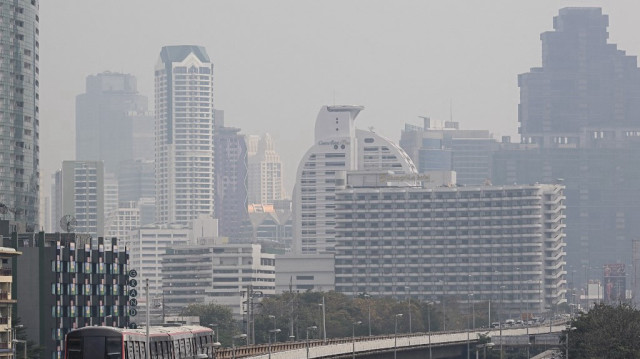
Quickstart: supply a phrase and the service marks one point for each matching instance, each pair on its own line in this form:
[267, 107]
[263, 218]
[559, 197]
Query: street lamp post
[395, 336]
[324, 326]
[275, 337]
[408, 289]
[444, 309]
[483, 346]
[369, 314]
[308, 329]
[275, 332]
[468, 325]
[429, 326]
[25, 346]
[569, 328]
[233, 342]
[500, 315]
[353, 338]
[215, 329]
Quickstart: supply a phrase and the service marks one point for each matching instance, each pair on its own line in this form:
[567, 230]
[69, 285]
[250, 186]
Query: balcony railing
[5, 271]
[4, 320]
[4, 296]
[4, 345]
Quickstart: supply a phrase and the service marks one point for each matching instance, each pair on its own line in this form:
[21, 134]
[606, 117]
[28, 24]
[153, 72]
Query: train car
[183, 342]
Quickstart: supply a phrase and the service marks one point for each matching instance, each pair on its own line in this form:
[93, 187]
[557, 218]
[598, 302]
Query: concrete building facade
[498, 243]
[65, 283]
[83, 196]
[19, 111]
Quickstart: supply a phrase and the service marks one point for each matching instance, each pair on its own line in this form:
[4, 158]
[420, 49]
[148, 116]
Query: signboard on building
[615, 282]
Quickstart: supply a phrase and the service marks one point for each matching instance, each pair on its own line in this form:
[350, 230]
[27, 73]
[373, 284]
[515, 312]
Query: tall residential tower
[19, 109]
[184, 134]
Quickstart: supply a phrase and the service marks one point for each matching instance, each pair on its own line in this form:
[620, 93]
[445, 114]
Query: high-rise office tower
[584, 82]
[184, 134]
[19, 110]
[265, 173]
[231, 180]
[580, 124]
[107, 118]
[339, 146]
[444, 146]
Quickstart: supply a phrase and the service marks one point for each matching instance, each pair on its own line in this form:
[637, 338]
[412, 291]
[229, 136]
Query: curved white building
[338, 147]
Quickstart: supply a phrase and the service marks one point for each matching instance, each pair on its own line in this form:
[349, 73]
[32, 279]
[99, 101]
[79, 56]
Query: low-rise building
[303, 272]
[64, 282]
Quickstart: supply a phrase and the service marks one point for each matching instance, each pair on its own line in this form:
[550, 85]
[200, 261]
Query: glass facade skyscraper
[19, 112]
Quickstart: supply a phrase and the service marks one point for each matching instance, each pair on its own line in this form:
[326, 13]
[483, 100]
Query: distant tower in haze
[265, 173]
[231, 180]
[584, 82]
[106, 116]
[19, 110]
[184, 134]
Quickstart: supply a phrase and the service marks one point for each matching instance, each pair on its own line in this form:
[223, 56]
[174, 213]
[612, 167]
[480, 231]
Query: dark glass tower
[580, 124]
[19, 113]
[584, 82]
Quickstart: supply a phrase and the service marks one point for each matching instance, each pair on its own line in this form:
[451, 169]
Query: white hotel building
[184, 134]
[339, 146]
[499, 243]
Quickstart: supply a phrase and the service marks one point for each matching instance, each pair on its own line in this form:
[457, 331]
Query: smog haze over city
[277, 62]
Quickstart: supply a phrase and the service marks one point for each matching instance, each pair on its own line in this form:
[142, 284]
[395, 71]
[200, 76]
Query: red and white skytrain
[184, 342]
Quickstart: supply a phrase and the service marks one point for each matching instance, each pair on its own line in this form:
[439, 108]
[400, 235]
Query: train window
[93, 347]
[114, 348]
[74, 348]
[130, 350]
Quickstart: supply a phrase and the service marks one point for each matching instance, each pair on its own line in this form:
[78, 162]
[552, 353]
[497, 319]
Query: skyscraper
[231, 180]
[265, 173]
[19, 109]
[184, 134]
[580, 124]
[106, 116]
[338, 146]
[584, 82]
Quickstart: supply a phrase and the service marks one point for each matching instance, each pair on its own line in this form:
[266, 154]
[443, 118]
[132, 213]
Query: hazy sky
[277, 62]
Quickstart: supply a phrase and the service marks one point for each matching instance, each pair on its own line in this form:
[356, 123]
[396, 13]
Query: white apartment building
[499, 243]
[184, 134]
[125, 219]
[147, 246]
[303, 272]
[235, 267]
[264, 172]
[339, 146]
[82, 186]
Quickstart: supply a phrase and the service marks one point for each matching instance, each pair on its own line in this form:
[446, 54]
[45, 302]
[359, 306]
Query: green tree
[605, 332]
[215, 314]
[33, 350]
